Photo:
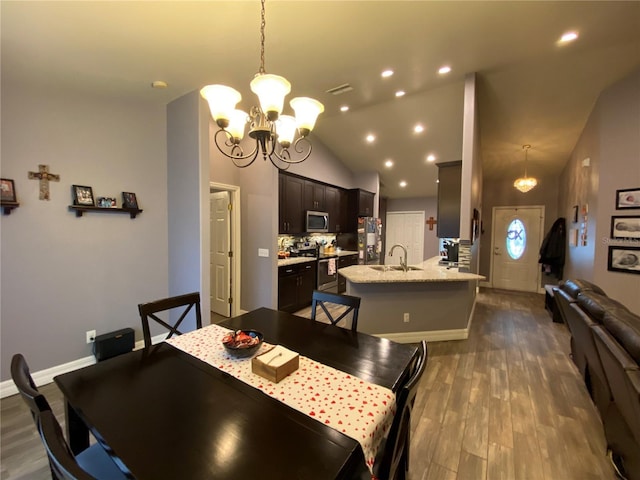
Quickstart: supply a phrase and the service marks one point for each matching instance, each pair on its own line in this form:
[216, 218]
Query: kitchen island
[431, 301]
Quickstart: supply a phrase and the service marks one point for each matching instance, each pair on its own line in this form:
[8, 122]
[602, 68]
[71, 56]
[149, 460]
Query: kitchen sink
[395, 268]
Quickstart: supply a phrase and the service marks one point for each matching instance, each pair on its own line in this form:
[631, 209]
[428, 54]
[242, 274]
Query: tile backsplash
[290, 241]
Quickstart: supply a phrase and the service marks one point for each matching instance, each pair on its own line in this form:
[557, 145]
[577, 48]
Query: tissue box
[275, 364]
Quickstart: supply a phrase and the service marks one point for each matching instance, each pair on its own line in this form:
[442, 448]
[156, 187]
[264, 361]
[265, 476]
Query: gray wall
[471, 180]
[63, 275]
[430, 207]
[611, 140]
[188, 205]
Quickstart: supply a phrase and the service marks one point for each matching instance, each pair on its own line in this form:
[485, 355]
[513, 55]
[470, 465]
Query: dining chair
[323, 298]
[394, 461]
[94, 459]
[93, 463]
[21, 376]
[149, 311]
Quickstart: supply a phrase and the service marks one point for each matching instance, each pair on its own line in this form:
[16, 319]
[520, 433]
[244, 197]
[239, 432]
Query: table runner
[359, 409]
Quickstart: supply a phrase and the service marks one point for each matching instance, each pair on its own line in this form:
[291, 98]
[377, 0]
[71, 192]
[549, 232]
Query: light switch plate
[263, 252]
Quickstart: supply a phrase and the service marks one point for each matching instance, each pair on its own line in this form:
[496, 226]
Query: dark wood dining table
[165, 414]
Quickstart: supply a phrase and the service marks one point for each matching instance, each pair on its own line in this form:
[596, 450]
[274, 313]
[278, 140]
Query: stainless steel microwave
[317, 222]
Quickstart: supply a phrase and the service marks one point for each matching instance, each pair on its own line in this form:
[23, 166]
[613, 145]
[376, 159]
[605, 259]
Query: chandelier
[524, 184]
[273, 133]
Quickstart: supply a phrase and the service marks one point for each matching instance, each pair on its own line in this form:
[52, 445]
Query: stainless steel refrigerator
[369, 240]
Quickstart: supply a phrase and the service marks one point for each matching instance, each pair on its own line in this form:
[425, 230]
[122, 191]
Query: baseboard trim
[485, 284]
[428, 335]
[43, 377]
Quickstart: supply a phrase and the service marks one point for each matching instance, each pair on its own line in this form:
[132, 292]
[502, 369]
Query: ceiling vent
[339, 90]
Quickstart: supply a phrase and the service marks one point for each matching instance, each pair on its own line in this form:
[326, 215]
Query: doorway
[516, 238]
[224, 268]
[405, 228]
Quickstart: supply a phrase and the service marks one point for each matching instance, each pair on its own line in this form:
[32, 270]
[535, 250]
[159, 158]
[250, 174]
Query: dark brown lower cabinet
[345, 261]
[296, 284]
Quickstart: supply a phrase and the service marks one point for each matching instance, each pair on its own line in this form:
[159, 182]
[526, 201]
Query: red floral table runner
[360, 409]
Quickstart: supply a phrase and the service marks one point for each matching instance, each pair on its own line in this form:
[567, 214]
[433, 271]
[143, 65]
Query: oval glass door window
[516, 239]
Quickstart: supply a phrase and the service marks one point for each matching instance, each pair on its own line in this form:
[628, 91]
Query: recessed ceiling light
[431, 157]
[400, 93]
[444, 69]
[418, 128]
[387, 73]
[344, 108]
[388, 163]
[371, 138]
[403, 184]
[568, 37]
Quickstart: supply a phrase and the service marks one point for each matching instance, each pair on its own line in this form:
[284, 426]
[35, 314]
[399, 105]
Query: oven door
[328, 274]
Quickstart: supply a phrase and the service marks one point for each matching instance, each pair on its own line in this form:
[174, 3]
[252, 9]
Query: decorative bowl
[242, 343]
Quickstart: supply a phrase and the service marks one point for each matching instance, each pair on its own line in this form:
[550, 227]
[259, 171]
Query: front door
[219, 254]
[517, 236]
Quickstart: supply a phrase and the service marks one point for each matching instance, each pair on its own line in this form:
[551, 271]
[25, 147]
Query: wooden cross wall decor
[431, 222]
[44, 176]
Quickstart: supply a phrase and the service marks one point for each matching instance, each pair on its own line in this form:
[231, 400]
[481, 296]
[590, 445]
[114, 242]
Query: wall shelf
[81, 209]
[8, 206]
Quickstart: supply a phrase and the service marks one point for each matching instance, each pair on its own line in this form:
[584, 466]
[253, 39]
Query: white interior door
[405, 228]
[516, 240]
[220, 260]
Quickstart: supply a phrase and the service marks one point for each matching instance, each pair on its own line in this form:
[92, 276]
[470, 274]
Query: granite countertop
[283, 262]
[429, 271]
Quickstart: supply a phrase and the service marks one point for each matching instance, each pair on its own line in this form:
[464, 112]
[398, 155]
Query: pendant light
[524, 184]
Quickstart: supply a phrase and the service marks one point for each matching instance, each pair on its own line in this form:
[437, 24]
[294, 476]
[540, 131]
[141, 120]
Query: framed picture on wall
[625, 227]
[129, 200]
[575, 214]
[82, 195]
[7, 190]
[628, 198]
[624, 259]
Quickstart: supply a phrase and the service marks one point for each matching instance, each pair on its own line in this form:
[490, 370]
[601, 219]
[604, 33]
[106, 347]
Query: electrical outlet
[406, 317]
[91, 336]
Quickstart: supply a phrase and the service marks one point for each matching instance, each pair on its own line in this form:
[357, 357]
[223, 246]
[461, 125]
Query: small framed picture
[625, 227]
[82, 195]
[629, 198]
[7, 190]
[575, 214]
[624, 259]
[129, 200]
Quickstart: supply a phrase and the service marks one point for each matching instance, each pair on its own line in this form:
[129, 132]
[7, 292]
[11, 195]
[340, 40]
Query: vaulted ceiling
[530, 89]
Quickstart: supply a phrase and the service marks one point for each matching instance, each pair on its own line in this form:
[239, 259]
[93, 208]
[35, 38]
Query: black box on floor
[114, 343]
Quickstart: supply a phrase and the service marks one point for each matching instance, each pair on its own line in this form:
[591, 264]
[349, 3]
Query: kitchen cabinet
[343, 262]
[314, 196]
[449, 189]
[365, 203]
[332, 201]
[361, 204]
[296, 284]
[290, 204]
[297, 194]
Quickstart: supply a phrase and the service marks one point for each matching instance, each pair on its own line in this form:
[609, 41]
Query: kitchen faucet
[403, 262]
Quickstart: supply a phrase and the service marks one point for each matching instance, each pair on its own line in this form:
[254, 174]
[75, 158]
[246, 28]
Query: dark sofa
[605, 346]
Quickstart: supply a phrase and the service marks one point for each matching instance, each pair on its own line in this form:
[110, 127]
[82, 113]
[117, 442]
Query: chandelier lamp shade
[525, 184]
[280, 138]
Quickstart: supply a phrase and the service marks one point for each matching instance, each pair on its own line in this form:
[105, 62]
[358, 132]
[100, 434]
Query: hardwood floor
[507, 403]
